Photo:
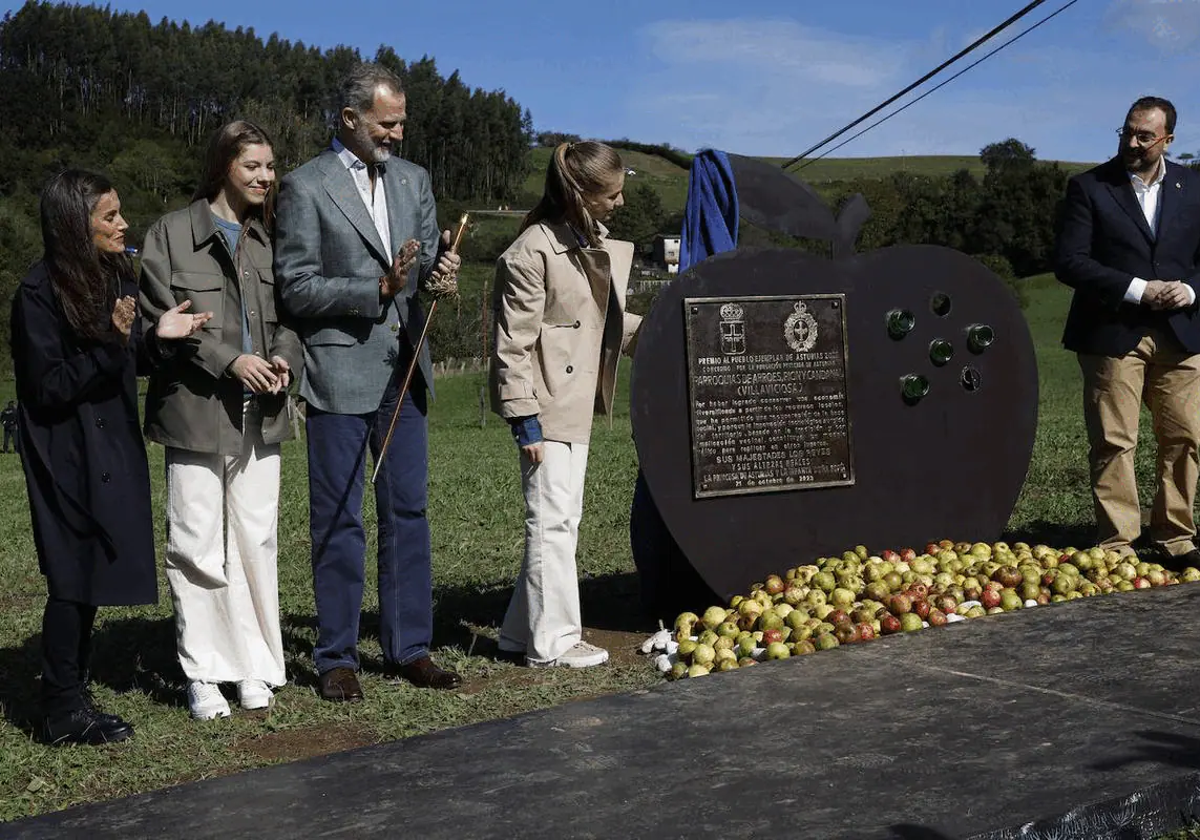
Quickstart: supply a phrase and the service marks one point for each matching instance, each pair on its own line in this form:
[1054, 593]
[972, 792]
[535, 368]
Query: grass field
[476, 515]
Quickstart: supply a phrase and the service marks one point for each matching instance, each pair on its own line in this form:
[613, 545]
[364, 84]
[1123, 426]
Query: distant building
[666, 252]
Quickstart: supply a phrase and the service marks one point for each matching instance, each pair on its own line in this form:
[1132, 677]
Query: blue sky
[772, 78]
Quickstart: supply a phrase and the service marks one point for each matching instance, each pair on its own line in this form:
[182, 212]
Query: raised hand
[123, 314]
[394, 281]
[176, 324]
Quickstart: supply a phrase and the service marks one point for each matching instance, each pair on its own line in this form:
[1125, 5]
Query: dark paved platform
[971, 730]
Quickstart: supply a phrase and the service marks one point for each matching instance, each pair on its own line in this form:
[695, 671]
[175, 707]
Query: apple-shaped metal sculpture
[787, 406]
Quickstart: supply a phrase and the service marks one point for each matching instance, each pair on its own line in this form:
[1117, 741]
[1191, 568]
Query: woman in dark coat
[77, 346]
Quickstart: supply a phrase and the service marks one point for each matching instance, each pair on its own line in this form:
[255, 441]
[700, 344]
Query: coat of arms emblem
[800, 329]
[733, 330]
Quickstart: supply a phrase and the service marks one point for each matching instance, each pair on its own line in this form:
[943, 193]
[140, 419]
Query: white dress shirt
[376, 202]
[1148, 196]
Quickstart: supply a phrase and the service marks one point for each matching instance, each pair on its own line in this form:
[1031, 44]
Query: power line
[978, 42]
[942, 84]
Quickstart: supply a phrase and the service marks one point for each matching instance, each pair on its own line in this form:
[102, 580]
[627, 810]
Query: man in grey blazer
[354, 225]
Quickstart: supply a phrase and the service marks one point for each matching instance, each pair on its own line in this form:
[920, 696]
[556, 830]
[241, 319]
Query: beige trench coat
[560, 326]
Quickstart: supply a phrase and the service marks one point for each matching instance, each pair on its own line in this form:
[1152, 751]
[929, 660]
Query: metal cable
[908, 105]
[977, 43]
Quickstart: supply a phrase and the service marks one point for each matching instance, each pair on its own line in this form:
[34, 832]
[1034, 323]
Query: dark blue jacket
[1104, 242]
[82, 451]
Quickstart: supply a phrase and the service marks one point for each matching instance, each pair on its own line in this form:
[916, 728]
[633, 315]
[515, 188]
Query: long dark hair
[223, 149]
[576, 170]
[85, 280]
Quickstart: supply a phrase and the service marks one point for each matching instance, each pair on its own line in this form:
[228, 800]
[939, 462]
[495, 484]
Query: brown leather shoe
[424, 674]
[341, 686]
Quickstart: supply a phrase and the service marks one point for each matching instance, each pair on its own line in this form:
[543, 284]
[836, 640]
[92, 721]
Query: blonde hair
[576, 172]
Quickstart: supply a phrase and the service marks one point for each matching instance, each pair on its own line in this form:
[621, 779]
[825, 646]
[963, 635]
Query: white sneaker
[580, 655]
[254, 694]
[206, 701]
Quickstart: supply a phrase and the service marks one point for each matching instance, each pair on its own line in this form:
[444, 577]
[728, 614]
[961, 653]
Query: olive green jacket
[194, 402]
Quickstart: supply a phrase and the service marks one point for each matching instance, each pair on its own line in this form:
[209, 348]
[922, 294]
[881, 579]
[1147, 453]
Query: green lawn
[476, 514]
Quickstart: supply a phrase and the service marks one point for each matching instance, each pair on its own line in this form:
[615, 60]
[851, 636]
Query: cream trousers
[221, 561]
[543, 617]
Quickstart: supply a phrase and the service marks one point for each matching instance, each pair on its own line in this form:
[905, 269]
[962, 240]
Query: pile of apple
[858, 597]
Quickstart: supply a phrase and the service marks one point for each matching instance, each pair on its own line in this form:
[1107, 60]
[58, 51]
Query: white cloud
[782, 48]
[1170, 25]
[775, 87]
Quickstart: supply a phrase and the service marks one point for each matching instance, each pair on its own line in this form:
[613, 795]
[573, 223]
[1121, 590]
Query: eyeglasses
[1143, 138]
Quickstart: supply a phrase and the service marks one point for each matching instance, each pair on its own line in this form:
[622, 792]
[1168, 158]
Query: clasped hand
[1166, 294]
[260, 376]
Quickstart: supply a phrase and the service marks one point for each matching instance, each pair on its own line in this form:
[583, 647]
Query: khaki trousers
[221, 560]
[1164, 376]
[544, 619]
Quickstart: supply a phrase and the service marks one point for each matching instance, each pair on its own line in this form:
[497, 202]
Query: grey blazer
[328, 261]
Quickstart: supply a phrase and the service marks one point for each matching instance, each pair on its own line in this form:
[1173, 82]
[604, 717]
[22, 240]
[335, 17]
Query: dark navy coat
[1104, 242]
[82, 451]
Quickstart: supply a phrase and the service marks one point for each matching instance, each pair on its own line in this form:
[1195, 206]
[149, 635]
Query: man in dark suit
[1129, 245]
[353, 224]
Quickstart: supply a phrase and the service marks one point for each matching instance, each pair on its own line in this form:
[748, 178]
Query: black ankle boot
[89, 702]
[85, 726]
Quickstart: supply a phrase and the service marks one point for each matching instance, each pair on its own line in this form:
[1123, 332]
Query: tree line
[113, 91]
[1006, 218]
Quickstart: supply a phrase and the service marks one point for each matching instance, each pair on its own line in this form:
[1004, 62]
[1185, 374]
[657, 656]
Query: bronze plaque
[767, 387]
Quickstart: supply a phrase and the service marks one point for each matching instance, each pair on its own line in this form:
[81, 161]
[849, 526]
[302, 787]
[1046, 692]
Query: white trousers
[221, 562]
[543, 617]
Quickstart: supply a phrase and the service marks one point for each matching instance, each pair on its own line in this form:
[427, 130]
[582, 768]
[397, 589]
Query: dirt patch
[509, 678]
[622, 646]
[308, 741]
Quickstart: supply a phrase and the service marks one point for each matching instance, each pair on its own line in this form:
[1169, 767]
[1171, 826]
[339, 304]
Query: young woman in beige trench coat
[561, 325]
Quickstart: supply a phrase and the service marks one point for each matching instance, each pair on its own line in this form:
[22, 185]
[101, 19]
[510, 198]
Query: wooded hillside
[85, 86]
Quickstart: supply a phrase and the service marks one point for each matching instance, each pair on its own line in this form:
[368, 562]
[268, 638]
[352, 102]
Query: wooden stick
[412, 364]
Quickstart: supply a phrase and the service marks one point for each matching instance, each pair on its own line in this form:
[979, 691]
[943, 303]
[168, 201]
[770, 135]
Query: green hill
[670, 180]
[667, 179]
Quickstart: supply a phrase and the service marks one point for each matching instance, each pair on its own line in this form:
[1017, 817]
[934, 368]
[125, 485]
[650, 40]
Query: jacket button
[245, 273]
[99, 422]
[353, 311]
[105, 477]
[576, 325]
[570, 369]
[251, 313]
